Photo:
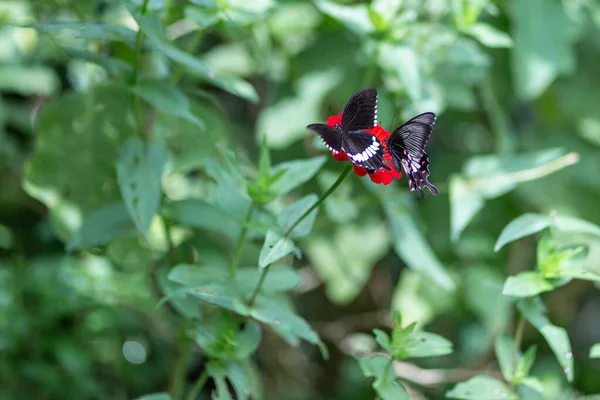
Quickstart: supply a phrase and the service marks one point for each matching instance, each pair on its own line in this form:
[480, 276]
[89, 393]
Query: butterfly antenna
[392, 126]
[330, 110]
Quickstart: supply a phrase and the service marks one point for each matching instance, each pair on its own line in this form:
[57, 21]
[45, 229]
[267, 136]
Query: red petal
[360, 171]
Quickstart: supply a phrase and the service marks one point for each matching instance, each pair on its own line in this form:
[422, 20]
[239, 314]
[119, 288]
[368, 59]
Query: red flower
[381, 176]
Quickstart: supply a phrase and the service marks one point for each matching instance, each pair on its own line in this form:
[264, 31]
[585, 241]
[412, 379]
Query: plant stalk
[240, 243]
[324, 196]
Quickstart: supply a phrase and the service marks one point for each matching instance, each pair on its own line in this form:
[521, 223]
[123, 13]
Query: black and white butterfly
[406, 145]
[363, 148]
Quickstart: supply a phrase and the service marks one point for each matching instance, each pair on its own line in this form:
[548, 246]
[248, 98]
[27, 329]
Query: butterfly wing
[330, 136]
[364, 150]
[360, 111]
[407, 148]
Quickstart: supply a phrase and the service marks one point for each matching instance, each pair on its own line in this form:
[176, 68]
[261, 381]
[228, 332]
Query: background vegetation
[154, 156]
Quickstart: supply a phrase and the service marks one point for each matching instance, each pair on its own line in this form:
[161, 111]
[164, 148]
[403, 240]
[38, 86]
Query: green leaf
[534, 384]
[279, 279]
[557, 337]
[203, 16]
[542, 48]
[167, 98]
[139, 171]
[383, 340]
[530, 223]
[595, 351]
[72, 167]
[275, 248]
[151, 26]
[200, 214]
[216, 293]
[488, 177]
[295, 173]
[377, 20]
[390, 390]
[525, 363]
[504, 348]
[221, 339]
[284, 122]
[155, 396]
[410, 245]
[408, 71]
[233, 371]
[489, 36]
[102, 226]
[526, 284]
[354, 17]
[28, 80]
[571, 224]
[376, 367]
[520, 227]
[289, 215]
[79, 30]
[423, 344]
[270, 311]
[481, 387]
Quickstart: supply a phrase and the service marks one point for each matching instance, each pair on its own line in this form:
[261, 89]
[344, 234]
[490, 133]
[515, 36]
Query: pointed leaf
[275, 248]
[489, 36]
[410, 244]
[504, 348]
[139, 171]
[481, 387]
[152, 27]
[200, 214]
[101, 226]
[271, 312]
[375, 367]
[423, 344]
[526, 284]
[167, 98]
[390, 390]
[155, 396]
[557, 337]
[289, 215]
[520, 227]
[295, 173]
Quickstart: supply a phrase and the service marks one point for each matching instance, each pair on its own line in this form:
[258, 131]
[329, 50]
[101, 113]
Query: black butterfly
[363, 148]
[406, 145]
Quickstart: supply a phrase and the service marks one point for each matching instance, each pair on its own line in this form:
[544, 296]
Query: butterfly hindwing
[360, 111]
[407, 148]
[330, 136]
[365, 150]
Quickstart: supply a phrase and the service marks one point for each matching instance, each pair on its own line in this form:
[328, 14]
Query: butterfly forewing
[363, 148]
[330, 136]
[360, 111]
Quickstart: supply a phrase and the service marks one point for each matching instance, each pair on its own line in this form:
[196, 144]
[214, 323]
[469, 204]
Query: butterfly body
[360, 114]
[406, 146]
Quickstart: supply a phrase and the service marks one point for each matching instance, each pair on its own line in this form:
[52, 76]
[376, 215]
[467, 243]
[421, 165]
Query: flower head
[380, 176]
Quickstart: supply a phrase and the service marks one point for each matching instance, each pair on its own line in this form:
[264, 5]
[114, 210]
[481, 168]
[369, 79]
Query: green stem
[387, 368]
[335, 185]
[496, 117]
[198, 385]
[324, 196]
[240, 243]
[181, 366]
[137, 105]
[518, 338]
[193, 43]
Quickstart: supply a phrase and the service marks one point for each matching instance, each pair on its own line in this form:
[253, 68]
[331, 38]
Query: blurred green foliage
[157, 235]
